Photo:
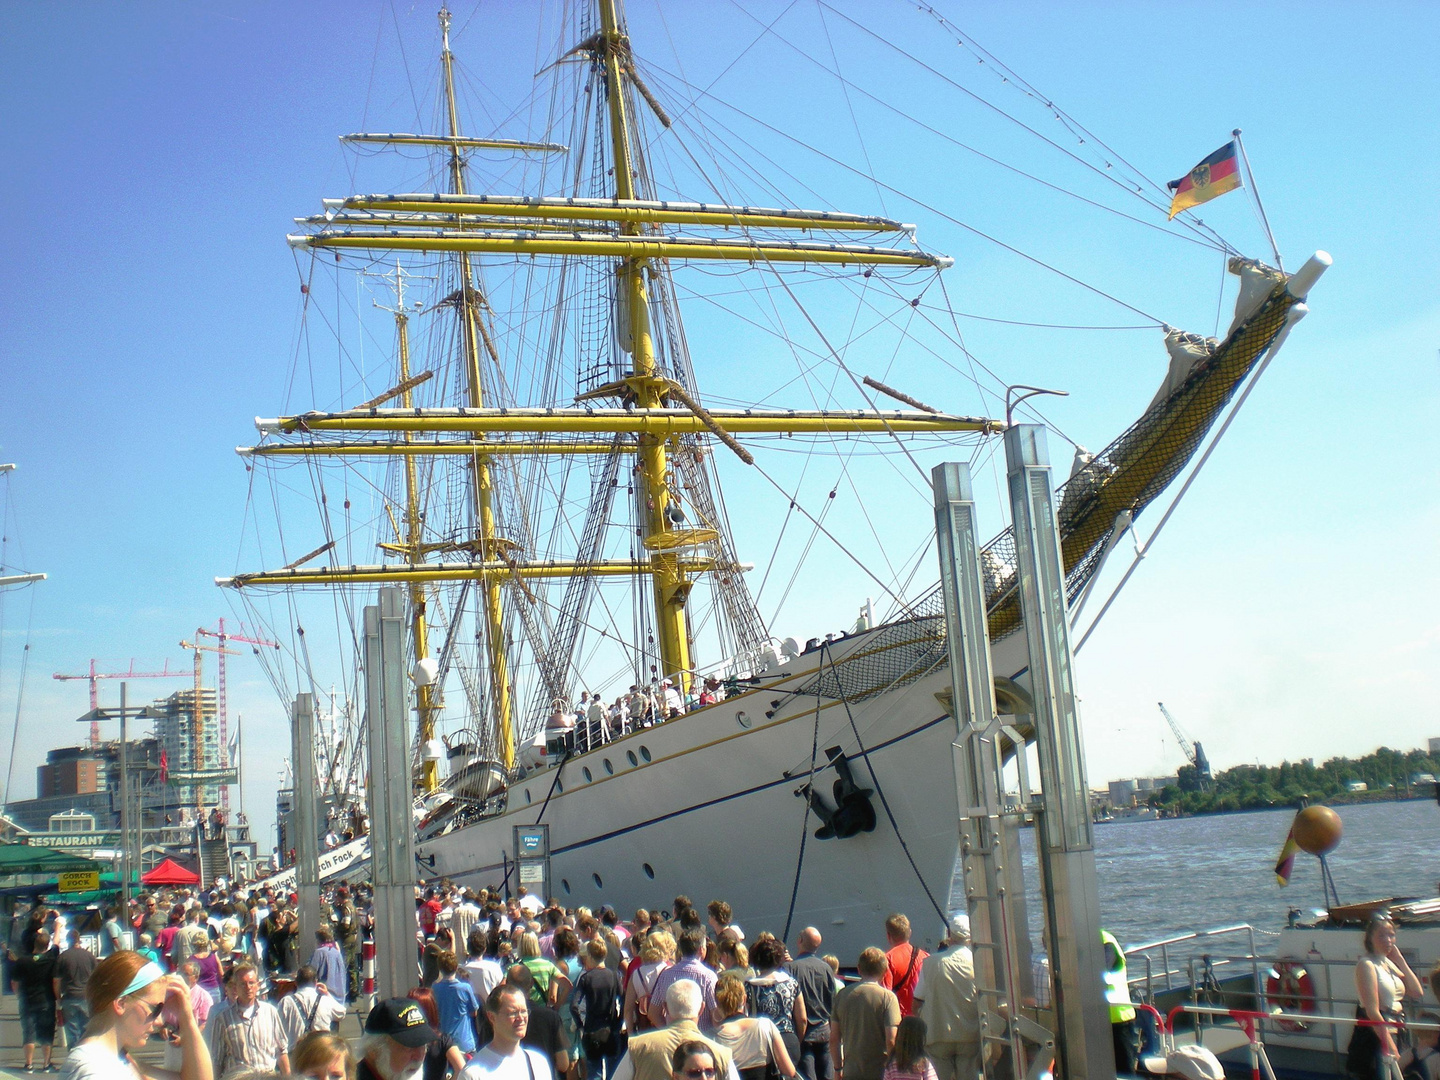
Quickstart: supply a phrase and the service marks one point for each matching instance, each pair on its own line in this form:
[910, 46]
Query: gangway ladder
[989, 841]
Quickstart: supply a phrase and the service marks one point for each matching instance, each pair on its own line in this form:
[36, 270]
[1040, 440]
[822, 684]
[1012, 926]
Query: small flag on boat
[1285, 865]
[164, 766]
[1217, 174]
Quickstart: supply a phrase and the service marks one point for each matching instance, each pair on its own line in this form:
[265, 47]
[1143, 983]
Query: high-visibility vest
[1117, 988]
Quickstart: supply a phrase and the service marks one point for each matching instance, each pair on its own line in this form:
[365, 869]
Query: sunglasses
[154, 1010]
[702, 1074]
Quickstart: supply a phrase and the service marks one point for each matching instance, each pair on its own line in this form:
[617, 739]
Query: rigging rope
[805, 816]
[827, 653]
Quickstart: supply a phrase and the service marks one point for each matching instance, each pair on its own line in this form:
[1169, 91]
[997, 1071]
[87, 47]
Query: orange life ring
[1290, 989]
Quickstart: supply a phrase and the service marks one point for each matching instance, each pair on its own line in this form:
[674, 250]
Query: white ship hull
[707, 806]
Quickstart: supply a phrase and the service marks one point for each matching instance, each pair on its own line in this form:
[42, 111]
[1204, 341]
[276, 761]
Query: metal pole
[302, 814]
[977, 756]
[388, 793]
[124, 807]
[1064, 828]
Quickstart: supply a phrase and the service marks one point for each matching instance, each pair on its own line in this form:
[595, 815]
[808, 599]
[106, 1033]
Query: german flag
[1217, 174]
[1285, 865]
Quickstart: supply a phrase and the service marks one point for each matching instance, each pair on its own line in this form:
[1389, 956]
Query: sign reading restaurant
[76, 840]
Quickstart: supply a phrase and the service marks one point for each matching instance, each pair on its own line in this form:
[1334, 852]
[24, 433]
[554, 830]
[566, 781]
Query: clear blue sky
[155, 154]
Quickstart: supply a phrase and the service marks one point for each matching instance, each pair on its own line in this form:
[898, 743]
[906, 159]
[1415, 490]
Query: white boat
[821, 790]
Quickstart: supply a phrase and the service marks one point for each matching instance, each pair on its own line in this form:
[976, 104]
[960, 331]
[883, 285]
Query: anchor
[852, 813]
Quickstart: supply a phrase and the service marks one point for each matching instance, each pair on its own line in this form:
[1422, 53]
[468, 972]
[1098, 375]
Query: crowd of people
[506, 988]
[591, 722]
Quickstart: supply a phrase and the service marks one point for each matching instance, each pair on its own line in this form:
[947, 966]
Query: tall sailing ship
[540, 470]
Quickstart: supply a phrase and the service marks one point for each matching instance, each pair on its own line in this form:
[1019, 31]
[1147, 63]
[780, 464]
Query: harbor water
[1164, 878]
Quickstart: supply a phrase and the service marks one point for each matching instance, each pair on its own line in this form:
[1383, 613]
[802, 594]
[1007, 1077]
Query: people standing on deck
[638, 706]
[904, 961]
[945, 1000]
[671, 703]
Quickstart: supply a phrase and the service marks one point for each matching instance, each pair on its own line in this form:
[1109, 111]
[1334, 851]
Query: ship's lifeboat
[1289, 988]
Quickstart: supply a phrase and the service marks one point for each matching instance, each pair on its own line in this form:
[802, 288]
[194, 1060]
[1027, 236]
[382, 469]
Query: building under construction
[175, 732]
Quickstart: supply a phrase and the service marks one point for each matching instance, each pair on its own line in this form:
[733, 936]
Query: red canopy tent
[170, 872]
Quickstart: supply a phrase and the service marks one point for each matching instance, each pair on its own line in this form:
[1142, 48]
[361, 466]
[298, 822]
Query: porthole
[649, 870]
[645, 752]
[631, 755]
[585, 771]
[564, 884]
[598, 883]
[609, 769]
[527, 796]
[742, 718]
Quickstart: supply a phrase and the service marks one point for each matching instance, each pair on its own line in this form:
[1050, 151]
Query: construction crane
[1195, 754]
[94, 677]
[197, 743]
[222, 635]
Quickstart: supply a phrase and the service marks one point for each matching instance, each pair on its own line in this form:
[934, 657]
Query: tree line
[1387, 774]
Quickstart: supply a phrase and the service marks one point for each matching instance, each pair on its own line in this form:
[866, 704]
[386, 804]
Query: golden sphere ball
[1318, 830]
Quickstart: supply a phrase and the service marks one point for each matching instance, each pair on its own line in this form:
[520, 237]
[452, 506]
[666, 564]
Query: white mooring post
[1064, 827]
[302, 814]
[388, 794]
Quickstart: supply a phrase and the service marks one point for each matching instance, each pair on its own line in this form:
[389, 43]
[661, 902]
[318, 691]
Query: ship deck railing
[1253, 1024]
[1201, 989]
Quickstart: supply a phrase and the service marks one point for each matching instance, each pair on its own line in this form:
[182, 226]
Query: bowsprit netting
[1126, 476]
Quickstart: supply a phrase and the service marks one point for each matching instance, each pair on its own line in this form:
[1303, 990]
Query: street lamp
[122, 714]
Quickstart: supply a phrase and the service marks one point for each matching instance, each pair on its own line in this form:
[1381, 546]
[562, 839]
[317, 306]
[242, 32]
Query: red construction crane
[93, 677]
[223, 636]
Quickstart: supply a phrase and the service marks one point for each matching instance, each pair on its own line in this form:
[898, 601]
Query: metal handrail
[1252, 1022]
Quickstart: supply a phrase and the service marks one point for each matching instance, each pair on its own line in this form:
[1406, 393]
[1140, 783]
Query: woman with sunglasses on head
[126, 994]
[1382, 981]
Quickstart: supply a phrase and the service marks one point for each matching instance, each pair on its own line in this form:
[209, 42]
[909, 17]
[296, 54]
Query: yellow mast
[413, 544]
[671, 584]
[654, 415]
[492, 547]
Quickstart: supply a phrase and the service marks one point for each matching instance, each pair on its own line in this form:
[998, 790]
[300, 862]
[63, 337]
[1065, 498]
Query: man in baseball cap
[397, 1035]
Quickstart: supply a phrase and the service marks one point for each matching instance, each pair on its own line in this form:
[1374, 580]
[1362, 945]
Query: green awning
[16, 859]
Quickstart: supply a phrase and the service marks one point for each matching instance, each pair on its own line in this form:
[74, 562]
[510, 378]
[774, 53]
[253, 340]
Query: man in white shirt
[503, 1058]
[310, 1008]
[247, 1035]
[484, 974]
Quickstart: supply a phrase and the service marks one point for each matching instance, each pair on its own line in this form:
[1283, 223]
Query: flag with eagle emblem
[1217, 174]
